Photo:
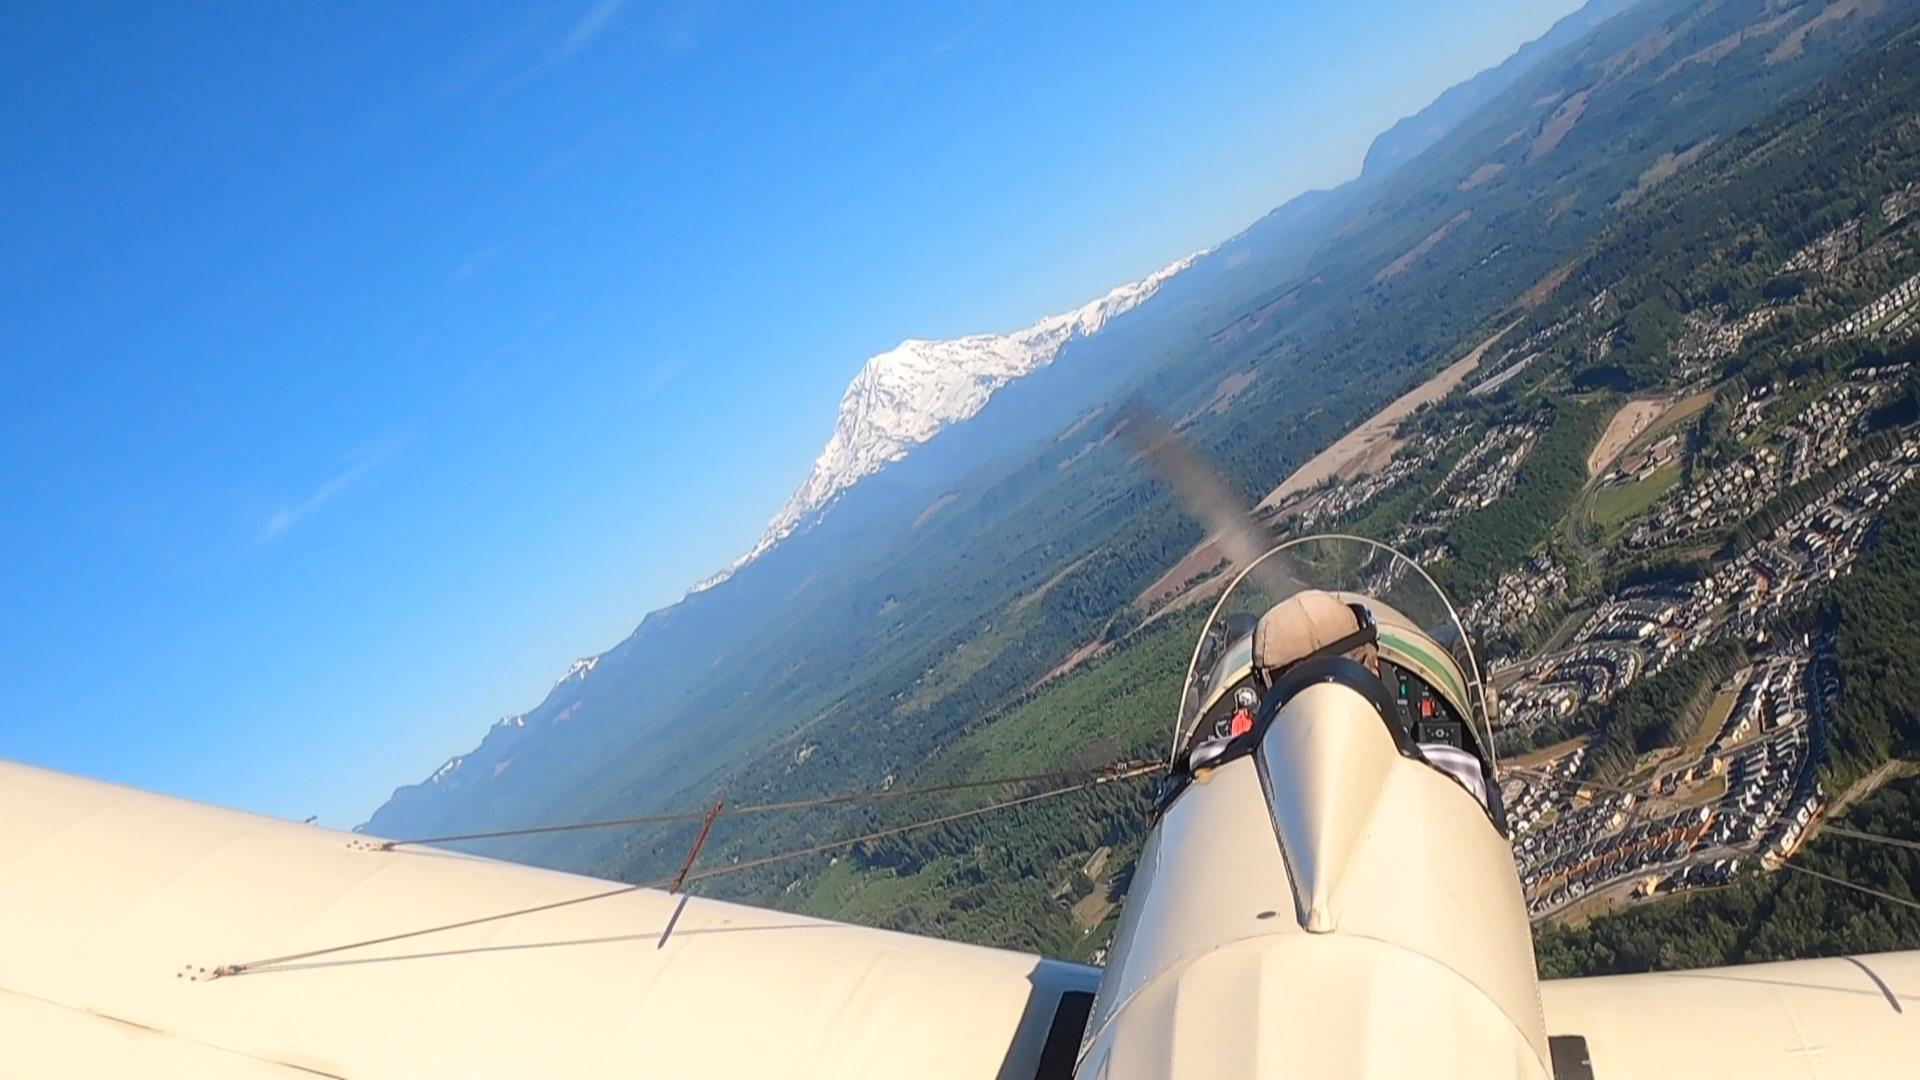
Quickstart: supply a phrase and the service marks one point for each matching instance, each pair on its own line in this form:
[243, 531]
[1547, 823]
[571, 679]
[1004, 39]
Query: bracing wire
[1856, 834]
[1086, 779]
[1111, 774]
[1854, 885]
[877, 795]
[1785, 863]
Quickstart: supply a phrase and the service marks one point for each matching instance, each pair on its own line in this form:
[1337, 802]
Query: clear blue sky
[363, 364]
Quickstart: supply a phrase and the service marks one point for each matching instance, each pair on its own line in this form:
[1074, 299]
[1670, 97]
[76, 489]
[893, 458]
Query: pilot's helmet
[1306, 624]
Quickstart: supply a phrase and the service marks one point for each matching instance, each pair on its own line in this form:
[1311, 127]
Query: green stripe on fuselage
[1436, 670]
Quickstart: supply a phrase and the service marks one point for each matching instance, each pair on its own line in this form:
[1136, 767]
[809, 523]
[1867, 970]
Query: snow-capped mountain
[906, 395]
[626, 715]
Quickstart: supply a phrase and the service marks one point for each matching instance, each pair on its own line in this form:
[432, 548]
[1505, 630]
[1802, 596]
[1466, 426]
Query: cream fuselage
[1326, 907]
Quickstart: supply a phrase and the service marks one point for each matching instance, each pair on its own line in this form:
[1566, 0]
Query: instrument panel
[1242, 702]
[1424, 712]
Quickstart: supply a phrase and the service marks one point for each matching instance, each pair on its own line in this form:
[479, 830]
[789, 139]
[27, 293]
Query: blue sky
[362, 365]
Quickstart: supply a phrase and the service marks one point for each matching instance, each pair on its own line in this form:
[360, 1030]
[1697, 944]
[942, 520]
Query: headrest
[1300, 626]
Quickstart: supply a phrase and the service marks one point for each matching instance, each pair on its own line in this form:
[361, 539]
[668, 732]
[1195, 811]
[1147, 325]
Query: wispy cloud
[663, 373]
[359, 464]
[896, 63]
[881, 72]
[959, 37]
[684, 29]
[479, 66]
[529, 50]
[473, 264]
[947, 45]
[588, 27]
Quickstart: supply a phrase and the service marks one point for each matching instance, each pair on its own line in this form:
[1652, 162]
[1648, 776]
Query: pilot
[1307, 624]
[1312, 623]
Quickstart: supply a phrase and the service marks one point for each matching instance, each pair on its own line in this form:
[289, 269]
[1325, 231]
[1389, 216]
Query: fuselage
[1327, 906]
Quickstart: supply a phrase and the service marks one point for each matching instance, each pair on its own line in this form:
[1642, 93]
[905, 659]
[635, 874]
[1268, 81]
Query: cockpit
[1270, 636]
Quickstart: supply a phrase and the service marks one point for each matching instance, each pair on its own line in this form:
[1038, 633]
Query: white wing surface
[1846, 1018]
[112, 901]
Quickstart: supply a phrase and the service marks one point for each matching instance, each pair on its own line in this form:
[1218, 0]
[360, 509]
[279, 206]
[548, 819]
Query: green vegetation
[1659, 711]
[1670, 566]
[995, 878]
[1499, 537]
[1710, 441]
[1784, 916]
[1118, 705]
[882, 648]
[1877, 610]
[1396, 506]
[1614, 507]
[1662, 710]
[1783, 506]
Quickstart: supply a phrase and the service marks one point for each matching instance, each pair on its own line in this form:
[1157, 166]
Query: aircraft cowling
[1367, 897]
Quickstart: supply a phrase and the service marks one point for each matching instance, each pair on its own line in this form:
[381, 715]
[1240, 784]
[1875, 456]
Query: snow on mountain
[580, 669]
[706, 583]
[906, 395]
[487, 758]
[900, 399]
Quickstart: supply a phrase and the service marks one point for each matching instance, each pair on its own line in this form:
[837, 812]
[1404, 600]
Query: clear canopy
[1409, 607]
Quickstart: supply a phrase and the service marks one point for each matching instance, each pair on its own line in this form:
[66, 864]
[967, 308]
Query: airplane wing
[115, 905]
[1846, 1018]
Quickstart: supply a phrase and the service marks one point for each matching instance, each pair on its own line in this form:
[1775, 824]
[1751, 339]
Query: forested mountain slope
[935, 597]
[530, 761]
[1794, 223]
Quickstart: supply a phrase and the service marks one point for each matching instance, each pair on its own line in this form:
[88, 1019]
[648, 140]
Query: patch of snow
[580, 669]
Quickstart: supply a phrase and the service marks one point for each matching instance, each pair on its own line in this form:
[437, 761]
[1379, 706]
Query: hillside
[906, 634]
[1811, 593]
[1412, 135]
[981, 447]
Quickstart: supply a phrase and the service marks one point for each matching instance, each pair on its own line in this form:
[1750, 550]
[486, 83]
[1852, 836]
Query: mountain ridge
[1003, 359]
[904, 396]
[1410, 135]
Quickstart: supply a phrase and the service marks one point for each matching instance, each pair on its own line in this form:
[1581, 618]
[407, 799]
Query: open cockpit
[1344, 610]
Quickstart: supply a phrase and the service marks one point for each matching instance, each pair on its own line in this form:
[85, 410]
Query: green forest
[1012, 879]
[1499, 537]
[927, 647]
[1877, 611]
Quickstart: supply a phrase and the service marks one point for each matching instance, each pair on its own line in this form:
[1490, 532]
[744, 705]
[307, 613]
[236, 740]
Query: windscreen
[1369, 570]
